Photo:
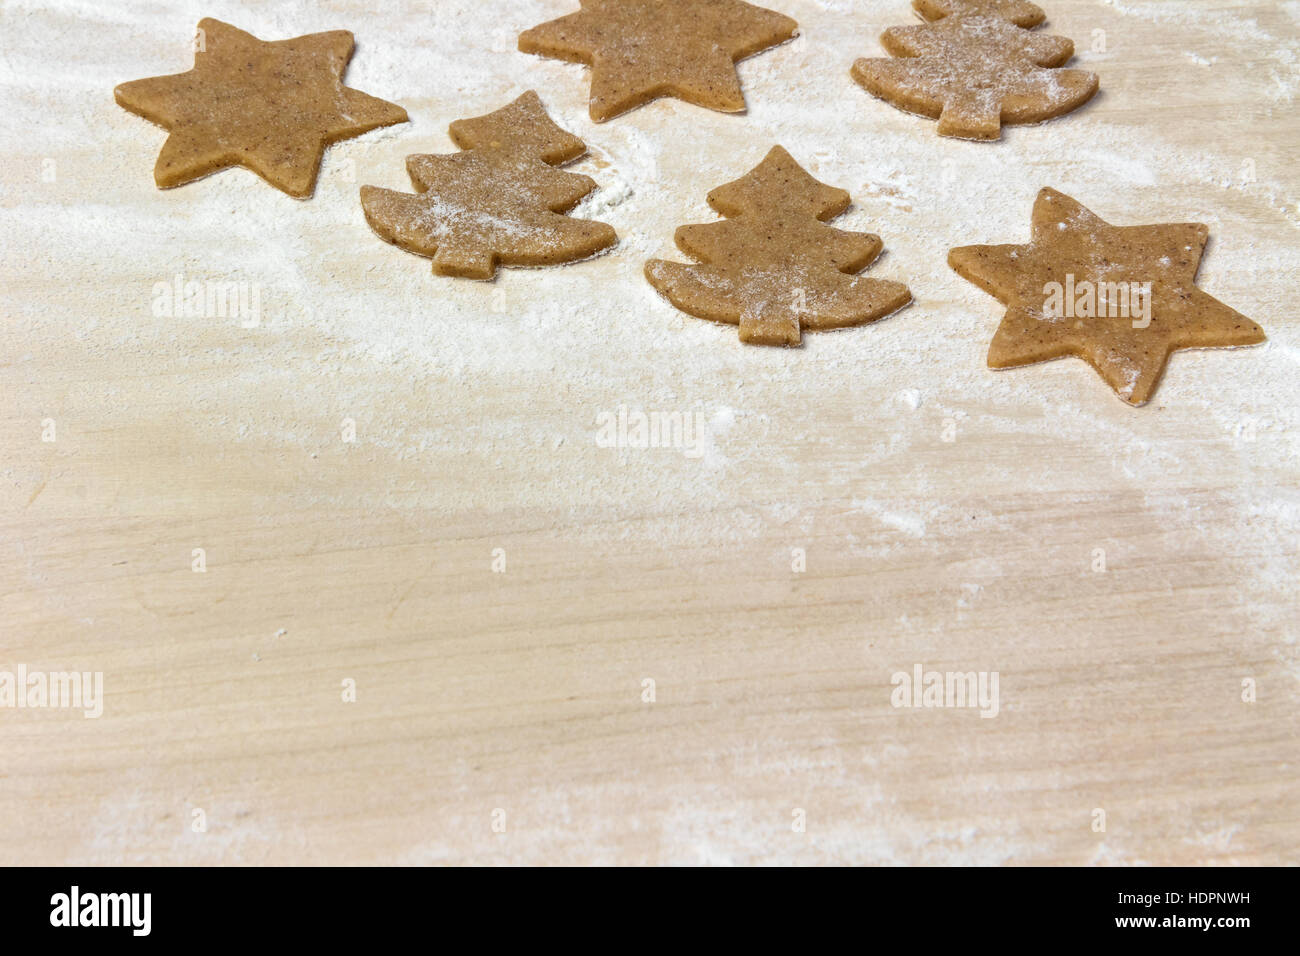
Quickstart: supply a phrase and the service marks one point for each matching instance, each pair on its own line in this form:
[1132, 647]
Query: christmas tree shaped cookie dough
[501, 200]
[975, 71]
[774, 267]
[640, 50]
[1123, 298]
[269, 107]
[1020, 12]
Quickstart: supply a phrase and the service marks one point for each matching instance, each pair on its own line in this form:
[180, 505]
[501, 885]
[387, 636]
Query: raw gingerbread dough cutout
[1120, 297]
[640, 50]
[774, 267]
[499, 201]
[974, 72]
[271, 107]
[1020, 12]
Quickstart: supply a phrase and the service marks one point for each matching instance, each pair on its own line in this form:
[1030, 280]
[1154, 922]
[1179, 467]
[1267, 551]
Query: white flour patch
[909, 524]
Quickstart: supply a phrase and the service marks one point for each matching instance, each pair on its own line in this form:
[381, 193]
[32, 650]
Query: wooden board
[949, 516]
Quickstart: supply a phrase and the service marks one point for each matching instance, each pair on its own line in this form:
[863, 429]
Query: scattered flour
[346, 312]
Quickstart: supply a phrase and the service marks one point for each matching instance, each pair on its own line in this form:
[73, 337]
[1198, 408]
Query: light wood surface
[951, 516]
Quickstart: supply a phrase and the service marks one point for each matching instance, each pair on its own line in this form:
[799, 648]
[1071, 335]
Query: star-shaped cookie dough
[640, 50]
[1123, 298]
[271, 107]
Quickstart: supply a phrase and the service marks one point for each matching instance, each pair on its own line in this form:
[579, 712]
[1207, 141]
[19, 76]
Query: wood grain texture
[950, 515]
